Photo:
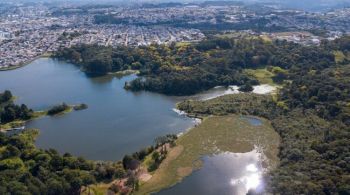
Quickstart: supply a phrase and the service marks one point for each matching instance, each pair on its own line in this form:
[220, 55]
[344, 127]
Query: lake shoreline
[17, 124]
[14, 67]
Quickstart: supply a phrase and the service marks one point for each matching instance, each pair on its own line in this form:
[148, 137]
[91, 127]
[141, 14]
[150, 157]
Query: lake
[117, 122]
[225, 173]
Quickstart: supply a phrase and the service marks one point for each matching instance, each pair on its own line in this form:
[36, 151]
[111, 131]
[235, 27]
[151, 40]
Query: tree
[6, 96]
[11, 151]
[8, 115]
[246, 88]
[57, 109]
[127, 161]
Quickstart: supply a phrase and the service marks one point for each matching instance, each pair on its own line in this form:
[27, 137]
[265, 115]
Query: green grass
[265, 75]
[182, 44]
[262, 75]
[339, 56]
[215, 134]
[66, 111]
[148, 160]
[230, 35]
[124, 73]
[10, 68]
[99, 189]
[13, 124]
[39, 114]
[266, 39]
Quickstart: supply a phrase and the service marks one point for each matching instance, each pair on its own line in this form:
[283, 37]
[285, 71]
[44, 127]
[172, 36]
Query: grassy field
[181, 44]
[262, 75]
[266, 38]
[340, 56]
[215, 134]
[124, 73]
[99, 189]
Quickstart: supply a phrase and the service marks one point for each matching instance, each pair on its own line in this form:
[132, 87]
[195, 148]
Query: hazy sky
[307, 4]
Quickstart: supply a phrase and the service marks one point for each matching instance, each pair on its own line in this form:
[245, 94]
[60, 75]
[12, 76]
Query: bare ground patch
[184, 171]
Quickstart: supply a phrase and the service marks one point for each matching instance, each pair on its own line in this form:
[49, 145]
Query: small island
[59, 109]
[65, 108]
[80, 107]
[14, 117]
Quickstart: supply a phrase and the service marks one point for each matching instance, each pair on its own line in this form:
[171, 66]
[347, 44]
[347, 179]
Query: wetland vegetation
[311, 147]
[214, 135]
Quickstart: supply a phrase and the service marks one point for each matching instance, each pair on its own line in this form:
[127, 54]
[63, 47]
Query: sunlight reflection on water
[224, 173]
[251, 180]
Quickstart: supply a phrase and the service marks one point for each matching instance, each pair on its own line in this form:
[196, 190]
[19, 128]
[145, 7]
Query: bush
[152, 167]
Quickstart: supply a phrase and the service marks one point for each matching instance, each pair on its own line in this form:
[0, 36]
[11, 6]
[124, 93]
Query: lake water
[117, 122]
[226, 173]
[253, 121]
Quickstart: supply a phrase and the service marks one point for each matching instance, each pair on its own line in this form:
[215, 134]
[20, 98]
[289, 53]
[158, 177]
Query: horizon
[308, 5]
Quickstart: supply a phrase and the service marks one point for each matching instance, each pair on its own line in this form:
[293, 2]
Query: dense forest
[312, 116]
[10, 111]
[185, 69]
[177, 70]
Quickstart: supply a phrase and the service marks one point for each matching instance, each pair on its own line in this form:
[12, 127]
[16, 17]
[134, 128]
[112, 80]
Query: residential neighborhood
[30, 31]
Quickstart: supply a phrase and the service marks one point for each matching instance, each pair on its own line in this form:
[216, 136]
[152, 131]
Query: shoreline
[14, 125]
[124, 72]
[20, 65]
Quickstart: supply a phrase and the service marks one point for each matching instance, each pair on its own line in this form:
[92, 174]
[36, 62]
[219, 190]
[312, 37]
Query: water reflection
[225, 173]
[251, 180]
[253, 120]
